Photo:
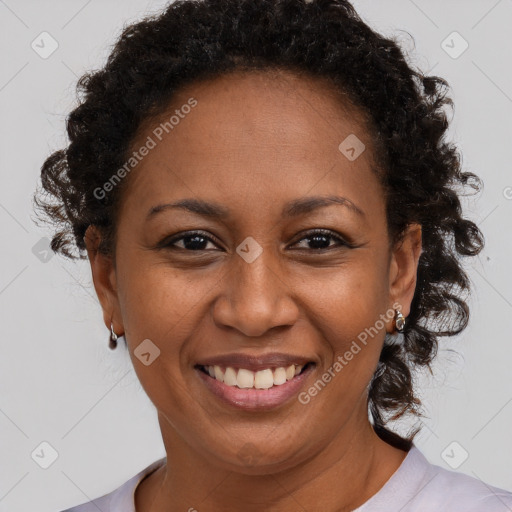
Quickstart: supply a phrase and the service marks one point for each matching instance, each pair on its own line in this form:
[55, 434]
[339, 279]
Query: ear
[403, 269]
[104, 278]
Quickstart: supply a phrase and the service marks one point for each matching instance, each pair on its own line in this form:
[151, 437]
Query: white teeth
[279, 376]
[219, 374]
[230, 378]
[263, 379]
[246, 379]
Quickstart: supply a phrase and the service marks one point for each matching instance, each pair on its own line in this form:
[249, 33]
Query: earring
[113, 338]
[399, 320]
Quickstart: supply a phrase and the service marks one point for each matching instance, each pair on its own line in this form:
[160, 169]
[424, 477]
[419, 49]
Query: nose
[255, 297]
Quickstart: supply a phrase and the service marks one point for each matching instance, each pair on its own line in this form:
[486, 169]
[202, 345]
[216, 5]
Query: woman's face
[257, 281]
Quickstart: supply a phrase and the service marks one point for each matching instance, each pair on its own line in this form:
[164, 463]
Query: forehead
[265, 137]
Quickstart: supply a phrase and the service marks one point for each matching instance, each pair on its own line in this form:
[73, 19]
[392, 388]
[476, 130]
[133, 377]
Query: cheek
[161, 305]
[160, 301]
[349, 311]
[349, 298]
[156, 298]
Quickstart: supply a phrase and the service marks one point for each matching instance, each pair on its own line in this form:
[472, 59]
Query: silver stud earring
[399, 320]
[113, 338]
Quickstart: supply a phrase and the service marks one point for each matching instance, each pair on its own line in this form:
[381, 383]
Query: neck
[341, 476]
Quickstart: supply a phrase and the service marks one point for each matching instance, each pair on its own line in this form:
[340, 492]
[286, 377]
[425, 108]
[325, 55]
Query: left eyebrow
[308, 204]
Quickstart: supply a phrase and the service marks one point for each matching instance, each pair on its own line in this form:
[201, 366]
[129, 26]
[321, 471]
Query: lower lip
[256, 399]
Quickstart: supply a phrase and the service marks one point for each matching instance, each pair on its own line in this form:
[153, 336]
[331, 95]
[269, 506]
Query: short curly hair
[421, 175]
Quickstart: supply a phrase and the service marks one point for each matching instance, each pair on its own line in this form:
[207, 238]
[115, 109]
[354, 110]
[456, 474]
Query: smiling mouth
[263, 379]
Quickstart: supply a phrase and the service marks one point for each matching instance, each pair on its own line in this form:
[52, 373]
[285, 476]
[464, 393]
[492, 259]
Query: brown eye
[192, 241]
[320, 240]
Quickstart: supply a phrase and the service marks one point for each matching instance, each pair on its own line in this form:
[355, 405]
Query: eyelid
[167, 243]
[327, 233]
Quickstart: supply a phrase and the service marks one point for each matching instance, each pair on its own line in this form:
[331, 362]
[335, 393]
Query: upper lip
[255, 363]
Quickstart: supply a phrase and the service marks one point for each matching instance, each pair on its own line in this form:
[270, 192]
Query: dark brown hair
[421, 171]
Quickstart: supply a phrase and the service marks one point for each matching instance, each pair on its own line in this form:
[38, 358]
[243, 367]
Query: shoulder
[419, 486]
[120, 499]
[441, 489]
[102, 503]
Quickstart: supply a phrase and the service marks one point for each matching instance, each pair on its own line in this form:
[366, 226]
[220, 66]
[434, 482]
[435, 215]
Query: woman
[272, 220]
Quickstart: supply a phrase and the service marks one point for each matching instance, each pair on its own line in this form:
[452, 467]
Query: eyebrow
[291, 209]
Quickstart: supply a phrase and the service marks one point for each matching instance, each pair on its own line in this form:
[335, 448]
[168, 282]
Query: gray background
[59, 382]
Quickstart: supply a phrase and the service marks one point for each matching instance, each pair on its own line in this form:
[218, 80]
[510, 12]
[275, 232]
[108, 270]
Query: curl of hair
[192, 40]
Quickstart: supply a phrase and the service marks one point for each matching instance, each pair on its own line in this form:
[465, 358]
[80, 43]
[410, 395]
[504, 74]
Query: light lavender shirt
[416, 486]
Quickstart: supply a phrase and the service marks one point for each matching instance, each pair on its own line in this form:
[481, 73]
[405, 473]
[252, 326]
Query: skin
[253, 142]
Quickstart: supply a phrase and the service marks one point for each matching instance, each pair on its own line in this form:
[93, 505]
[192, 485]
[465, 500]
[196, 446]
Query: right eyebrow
[197, 206]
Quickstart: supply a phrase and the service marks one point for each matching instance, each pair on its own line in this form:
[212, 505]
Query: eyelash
[169, 243]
